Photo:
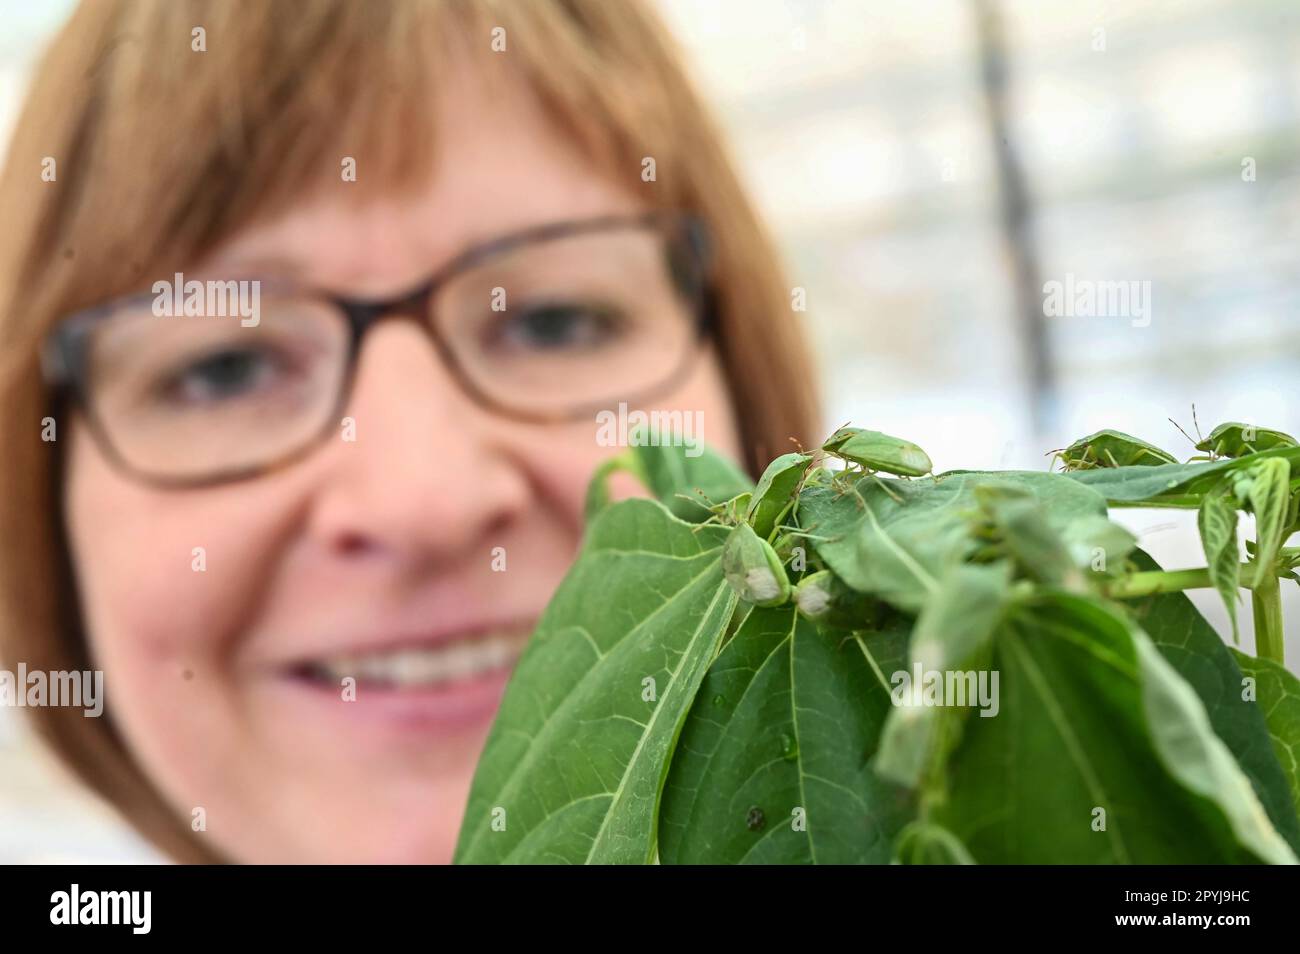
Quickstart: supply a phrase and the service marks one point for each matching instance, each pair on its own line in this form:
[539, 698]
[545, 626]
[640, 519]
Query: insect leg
[880, 483]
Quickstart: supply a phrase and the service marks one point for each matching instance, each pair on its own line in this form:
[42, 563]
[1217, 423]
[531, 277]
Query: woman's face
[358, 550]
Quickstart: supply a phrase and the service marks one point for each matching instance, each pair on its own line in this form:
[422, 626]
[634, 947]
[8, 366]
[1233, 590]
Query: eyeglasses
[546, 325]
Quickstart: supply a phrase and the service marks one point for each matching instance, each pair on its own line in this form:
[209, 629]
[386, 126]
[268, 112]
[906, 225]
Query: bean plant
[859, 661]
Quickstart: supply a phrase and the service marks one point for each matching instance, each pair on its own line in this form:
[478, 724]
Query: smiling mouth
[421, 667]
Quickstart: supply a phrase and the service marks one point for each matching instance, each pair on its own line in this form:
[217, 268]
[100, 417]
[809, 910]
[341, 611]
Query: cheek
[721, 428]
[705, 396]
[568, 457]
[165, 582]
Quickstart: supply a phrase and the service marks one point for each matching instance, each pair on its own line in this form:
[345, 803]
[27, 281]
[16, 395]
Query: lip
[459, 705]
[455, 706]
[395, 639]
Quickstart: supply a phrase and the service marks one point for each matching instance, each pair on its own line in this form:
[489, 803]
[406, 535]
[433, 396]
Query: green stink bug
[729, 512]
[777, 492]
[753, 569]
[875, 451]
[1234, 439]
[1109, 448]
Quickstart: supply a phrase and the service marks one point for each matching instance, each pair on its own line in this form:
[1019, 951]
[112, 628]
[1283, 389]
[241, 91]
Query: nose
[417, 472]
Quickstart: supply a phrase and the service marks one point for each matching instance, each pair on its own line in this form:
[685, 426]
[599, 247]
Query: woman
[443, 227]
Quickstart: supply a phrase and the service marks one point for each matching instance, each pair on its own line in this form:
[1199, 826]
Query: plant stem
[1152, 582]
[1157, 581]
[1266, 602]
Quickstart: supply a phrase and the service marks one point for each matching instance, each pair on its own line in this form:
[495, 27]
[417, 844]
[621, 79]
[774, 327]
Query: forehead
[500, 165]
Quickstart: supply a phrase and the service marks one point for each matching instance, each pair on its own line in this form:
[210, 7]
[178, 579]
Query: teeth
[429, 666]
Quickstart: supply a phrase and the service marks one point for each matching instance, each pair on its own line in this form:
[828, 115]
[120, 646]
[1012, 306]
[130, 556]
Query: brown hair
[162, 151]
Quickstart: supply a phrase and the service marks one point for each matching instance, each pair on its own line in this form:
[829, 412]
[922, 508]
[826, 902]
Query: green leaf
[897, 549]
[1193, 647]
[1217, 522]
[1169, 484]
[598, 498]
[679, 482]
[1098, 544]
[1022, 524]
[1197, 757]
[575, 760]
[1277, 692]
[951, 631]
[955, 625]
[787, 720]
[1093, 719]
[1269, 495]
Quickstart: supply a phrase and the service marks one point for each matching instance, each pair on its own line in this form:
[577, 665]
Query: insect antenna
[708, 504]
[708, 501]
[838, 429]
[1183, 432]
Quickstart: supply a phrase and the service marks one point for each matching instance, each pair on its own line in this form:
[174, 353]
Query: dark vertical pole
[1017, 218]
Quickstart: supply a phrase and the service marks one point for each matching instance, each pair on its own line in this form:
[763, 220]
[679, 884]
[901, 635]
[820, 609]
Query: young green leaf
[1098, 544]
[773, 762]
[574, 763]
[1193, 647]
[955, 627]
[1217, 522]
[1268, 493]
[1021, 524]
[1195, 756]
[951, 631]
[685, 485]
[598, 497]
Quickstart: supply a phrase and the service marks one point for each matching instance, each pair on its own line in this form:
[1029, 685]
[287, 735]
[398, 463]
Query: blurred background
[928, 168]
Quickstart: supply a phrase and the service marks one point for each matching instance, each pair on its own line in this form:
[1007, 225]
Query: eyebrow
[278, 266]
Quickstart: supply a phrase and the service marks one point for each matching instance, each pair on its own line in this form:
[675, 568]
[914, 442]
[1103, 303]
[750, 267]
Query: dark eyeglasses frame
[65, 350]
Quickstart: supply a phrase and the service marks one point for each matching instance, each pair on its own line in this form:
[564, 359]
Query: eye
[555, 325]
[222, 375]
